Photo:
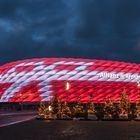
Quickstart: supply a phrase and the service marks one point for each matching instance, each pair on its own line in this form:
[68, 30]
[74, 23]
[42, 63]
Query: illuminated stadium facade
[69, 79]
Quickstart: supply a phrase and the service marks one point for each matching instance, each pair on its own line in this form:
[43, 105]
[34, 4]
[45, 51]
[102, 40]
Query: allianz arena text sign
[126, 76]
[40, 79]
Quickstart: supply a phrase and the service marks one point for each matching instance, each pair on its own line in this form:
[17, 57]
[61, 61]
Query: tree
[78, 109]
[91, 108]
[56, 107]
[124, 104]
[109, 107]
[42, 109]
[65, 110]
[137, 113]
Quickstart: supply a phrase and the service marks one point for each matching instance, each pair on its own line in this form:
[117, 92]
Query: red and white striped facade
[36, 80]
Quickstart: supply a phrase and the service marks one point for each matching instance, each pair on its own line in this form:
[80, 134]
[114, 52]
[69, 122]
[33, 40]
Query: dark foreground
[71, 130]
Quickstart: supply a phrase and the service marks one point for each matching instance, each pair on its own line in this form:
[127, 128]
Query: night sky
[98, 29]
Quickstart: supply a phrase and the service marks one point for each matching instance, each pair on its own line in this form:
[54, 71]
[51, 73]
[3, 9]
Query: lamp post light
[49, 108]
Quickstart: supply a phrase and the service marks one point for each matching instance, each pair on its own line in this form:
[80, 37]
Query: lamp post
[50, 108]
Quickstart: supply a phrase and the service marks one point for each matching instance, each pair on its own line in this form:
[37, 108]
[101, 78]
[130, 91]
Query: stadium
[36, 80]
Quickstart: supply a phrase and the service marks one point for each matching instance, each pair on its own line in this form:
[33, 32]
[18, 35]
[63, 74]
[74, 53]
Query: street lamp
[49, 108]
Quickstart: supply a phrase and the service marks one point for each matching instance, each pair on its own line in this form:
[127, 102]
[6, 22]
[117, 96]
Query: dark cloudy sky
[99, 29]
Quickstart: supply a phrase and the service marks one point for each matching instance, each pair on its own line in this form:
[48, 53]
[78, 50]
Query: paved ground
[4, 113]
[71, 130]
[9, 118]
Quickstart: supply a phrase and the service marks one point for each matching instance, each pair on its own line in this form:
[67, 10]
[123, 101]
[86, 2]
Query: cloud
[75, 28]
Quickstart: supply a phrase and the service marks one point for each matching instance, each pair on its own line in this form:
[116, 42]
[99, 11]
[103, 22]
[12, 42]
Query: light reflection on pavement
[72, 130]
[10, 118]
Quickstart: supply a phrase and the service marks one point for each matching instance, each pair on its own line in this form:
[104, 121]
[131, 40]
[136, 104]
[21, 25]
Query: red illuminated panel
[4, 87]
[29, 93]
[25, 68]
[96, 91]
